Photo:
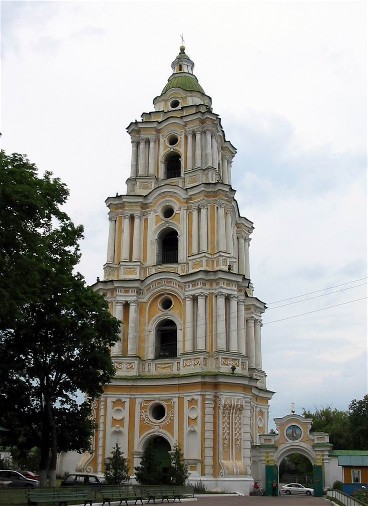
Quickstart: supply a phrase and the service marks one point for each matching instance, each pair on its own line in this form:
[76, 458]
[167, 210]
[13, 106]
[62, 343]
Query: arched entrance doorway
[296, 468]
[156, 461]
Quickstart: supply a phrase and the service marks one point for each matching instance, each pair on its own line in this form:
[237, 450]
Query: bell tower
[177, 275]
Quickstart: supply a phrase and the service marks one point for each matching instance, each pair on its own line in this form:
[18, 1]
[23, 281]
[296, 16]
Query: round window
[168, 212]
[174, 104]
[157, 411]
[166, 303]
[172, 139]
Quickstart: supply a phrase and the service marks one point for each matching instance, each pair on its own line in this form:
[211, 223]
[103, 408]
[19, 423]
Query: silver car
[296, 488]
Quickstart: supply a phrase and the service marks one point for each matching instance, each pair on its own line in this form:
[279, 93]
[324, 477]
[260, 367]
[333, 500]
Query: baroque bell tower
[188, 362]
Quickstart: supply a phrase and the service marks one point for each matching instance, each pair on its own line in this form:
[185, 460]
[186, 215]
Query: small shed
[354, 464]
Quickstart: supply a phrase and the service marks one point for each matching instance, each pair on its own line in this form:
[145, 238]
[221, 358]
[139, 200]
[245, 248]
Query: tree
[179, 469]
[116, 467]
[55, 332]
[336, 423]
[358, 414]
[149, 472]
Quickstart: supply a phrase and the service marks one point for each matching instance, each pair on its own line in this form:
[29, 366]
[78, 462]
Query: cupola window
[174, 104]
[173, 165]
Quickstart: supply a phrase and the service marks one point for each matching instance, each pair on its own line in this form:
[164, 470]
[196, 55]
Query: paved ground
[236, 500]
[261, 501]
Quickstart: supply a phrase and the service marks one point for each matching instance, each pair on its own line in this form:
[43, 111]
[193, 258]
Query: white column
[229, 162]
[203, 242]
[246, 258]
[201, 322]
[195, 230]
[151, 251]
[151, 156]
[233, 323]
[250, 342]
[189, 150]
[221, 328]
[214, 152]
[117, 348]
[111, 241]
[197, 159]
[224, 170]
[221, 227]
[208, 149]
[142, 157]
[125, 238]
[241, 328]
[241, 255]
[208, 435]
[257, 342]
[137, 238]
[229, 233]
[133, 166]
[132, 329]
[189, 323]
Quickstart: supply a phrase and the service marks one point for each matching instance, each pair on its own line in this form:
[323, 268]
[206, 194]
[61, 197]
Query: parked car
[296, 488]
[14, 479]
[31, 475]
[84, 479]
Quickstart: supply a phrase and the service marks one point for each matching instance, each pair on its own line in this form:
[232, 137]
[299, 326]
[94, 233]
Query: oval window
[166, 303]
[172, 140]
[157, 412]
[168, 212]
[174, 104]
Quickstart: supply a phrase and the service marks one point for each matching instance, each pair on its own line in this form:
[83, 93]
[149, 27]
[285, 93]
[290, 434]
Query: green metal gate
[272, 474]
[318, 481]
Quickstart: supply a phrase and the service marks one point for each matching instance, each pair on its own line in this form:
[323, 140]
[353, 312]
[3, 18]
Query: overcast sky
[289, 82]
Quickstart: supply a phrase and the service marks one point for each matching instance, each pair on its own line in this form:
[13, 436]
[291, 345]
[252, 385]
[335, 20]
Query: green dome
[185, 82]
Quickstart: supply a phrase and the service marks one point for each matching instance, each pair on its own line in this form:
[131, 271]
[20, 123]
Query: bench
[122, 493]
[165, 493]
[61, 498]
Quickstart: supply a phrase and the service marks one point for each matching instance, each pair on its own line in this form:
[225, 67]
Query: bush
[337, 485]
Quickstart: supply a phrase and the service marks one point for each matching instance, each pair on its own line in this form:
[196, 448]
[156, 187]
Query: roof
[186, 82]
[338, 453]
[353, 461]
[351, 458]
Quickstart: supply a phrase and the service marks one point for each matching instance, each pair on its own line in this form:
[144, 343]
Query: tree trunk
[53, 445]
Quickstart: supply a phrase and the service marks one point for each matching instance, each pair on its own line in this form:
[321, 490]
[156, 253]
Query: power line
[315, 297]
[316, 291]
[314, 311]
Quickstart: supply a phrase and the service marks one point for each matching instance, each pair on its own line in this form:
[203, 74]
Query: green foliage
[149, 472]
[296, 465]
[178, 471]
[358, 413]
[336, 423]
[55, 332]
[116, 467]
[348, 429]
[361, 495]
[5, 463]
[337, 485]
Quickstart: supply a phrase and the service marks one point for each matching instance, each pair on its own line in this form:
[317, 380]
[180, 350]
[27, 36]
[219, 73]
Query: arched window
[173, 165]
[168, 247]
[166, 339]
